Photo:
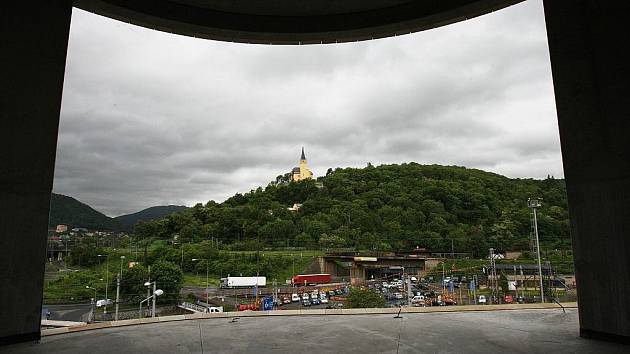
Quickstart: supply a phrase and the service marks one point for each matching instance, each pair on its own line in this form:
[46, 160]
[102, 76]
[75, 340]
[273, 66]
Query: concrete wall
[34, 37]
[590, 60]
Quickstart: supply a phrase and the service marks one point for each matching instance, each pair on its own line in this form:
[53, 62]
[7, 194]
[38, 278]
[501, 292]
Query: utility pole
[207, 295]
[117, 295]
[106, 280]
[493, 273]
[515, 284]
[535, 203]
[443, 284]
[148, 287]
[275, 291]
[475, 288]
[154, 289]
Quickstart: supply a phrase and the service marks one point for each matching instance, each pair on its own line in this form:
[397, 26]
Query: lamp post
[207, 296]
[122, 259]
[535, 203]
[93, 300]
[148, 285]
[106, 280]
[156, 293]
[118, 278]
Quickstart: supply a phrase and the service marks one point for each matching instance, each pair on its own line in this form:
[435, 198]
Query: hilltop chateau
[302, 172]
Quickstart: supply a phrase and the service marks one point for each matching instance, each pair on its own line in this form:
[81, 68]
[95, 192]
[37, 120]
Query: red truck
[308, 279]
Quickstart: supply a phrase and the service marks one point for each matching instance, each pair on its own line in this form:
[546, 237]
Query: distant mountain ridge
[69, 211]
[148, 214]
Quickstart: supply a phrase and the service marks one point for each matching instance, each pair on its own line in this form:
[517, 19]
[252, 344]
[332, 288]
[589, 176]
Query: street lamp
[89, 287]
[207, 296]
[93, 300]
[106, 280]
[118, 278]
[148, 285]
[156, 293]
[122, 259]
[535, 203]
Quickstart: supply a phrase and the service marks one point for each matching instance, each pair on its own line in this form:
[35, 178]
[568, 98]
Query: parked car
[417, 298]
[315, 301]
[306, 303]
[323, 300]
[482, 299]
[305, 297]
[286, 300]
[449, 302]
[331, 293]
[398, 296]
[338, 291]
[295, 298]
[314, 296]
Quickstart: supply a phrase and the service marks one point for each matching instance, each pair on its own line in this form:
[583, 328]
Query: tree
[331, 241]
[85, 254]
[168, 277]
[132, 284]
[364, 298]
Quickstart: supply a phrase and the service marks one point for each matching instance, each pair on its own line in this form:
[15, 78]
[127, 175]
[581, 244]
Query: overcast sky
[150, 118]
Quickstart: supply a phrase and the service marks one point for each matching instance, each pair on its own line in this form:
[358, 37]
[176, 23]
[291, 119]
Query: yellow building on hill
[302, 172]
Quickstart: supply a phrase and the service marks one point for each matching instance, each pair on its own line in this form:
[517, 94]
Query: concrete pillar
[589, 48]
[34, 37]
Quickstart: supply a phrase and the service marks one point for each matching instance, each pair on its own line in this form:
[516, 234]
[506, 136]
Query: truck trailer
[308, 279]
[243, 282]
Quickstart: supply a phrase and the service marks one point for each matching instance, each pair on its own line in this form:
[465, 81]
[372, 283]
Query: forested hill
[69, 211]
[156, 212]
[384, 207]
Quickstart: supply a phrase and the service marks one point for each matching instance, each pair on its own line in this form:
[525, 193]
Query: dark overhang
[292, 21]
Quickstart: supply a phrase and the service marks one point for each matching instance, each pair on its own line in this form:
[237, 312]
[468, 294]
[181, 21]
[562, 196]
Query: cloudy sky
[150, 118]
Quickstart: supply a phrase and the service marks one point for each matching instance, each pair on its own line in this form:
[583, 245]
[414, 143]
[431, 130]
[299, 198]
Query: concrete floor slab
[517, 331]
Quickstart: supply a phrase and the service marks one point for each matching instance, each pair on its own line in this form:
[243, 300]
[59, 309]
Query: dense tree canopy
[378, 208]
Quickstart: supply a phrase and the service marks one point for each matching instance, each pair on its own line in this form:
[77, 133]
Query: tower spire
[303, 157]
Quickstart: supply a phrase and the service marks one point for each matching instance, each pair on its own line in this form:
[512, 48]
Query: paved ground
[519, 331]
[70, 312]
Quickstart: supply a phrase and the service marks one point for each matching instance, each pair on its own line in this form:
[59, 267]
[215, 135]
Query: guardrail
[194, 307]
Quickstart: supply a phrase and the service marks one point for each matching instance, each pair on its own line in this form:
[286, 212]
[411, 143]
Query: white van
[295, 298]
[418, 300]
[100, 303]
[482, 299]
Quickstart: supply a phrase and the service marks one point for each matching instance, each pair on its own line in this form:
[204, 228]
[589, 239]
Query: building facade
[302, 172]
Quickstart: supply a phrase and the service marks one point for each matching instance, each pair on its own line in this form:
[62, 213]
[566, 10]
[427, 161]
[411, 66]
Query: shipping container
[309, 279]
[243, 282]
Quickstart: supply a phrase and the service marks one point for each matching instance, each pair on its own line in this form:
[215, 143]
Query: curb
[314, 312]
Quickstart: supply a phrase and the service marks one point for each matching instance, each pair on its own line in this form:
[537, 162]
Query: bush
[364, 298]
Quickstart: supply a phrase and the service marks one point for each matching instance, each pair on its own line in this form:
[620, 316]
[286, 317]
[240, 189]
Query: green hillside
[152, 213]
[380, 208]
[69, 211]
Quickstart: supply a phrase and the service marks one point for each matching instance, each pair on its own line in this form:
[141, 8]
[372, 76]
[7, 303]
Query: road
[516, 331]
[69, 312]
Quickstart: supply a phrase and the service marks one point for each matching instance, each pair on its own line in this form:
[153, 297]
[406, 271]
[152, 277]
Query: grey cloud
[153, 118]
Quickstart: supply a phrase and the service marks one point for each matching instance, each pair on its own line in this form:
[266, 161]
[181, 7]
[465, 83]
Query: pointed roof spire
[303, 157]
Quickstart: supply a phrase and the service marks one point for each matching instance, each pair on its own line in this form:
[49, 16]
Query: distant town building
[302, 172]
[61, 228]
[295, 207]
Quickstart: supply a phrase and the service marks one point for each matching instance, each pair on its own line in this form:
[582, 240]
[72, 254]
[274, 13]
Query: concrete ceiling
[291, 21]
